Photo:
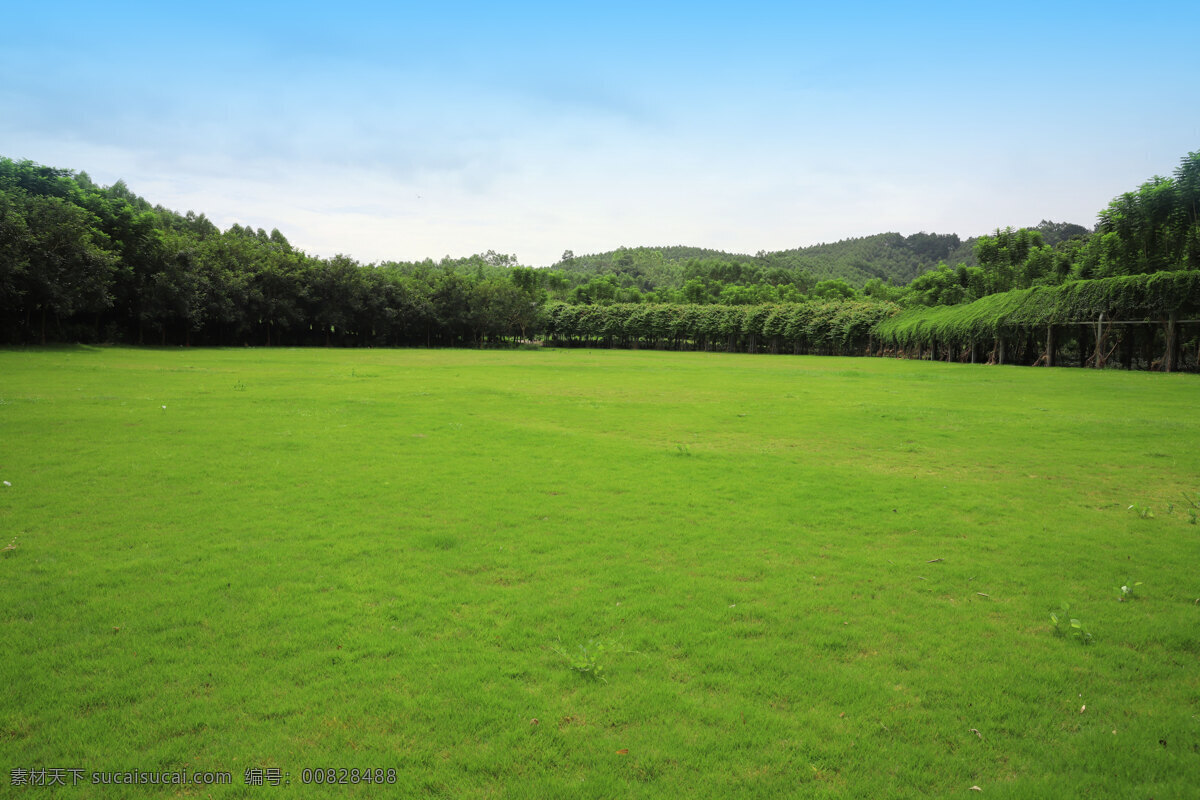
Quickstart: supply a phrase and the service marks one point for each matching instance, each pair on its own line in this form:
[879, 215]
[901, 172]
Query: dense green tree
[878, 289]
[1002, 256]
[1152, 229]
[942, 286]
[836, 289]
[1055, 233]
[64, 269]
[336, 296]
[16, 247]
[173, 294]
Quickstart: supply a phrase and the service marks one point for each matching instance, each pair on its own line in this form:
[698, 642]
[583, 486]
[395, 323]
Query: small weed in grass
[1144, 512]
[1193, 507]
[682, 450]
[1066, 625]
[588, 660]
[1128, 590]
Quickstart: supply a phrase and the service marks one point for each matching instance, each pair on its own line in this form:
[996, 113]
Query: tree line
[826, 327]
[82, 262]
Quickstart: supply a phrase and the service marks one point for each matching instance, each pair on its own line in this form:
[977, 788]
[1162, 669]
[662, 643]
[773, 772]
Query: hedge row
[1151, 297]
[831, 327]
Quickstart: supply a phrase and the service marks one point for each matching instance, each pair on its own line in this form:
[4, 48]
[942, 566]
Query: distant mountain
[891, 257]
[887, 256]
[623, 258]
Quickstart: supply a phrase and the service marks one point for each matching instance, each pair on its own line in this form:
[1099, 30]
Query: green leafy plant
[682, 450]
[1128, 590]
[1144, 512]
[1068, 626]
[588, 660]
[1193, 507]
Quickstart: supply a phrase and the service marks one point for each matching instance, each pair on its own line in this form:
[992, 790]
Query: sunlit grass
[810, 576]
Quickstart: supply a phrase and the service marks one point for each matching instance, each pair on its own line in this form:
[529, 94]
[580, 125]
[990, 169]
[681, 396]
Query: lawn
[593, 574]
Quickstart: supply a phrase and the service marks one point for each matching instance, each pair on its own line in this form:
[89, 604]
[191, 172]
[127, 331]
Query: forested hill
[890, 257]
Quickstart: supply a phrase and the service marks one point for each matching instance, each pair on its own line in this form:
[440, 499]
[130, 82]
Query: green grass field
[582, 574]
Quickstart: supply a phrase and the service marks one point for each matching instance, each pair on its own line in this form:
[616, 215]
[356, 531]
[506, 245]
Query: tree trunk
[1100, 358]
[1172, 341]
[1051, 347]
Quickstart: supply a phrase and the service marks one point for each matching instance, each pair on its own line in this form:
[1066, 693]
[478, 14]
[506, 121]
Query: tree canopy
[85, 262]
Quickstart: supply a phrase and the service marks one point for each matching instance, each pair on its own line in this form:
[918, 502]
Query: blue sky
[398, 131]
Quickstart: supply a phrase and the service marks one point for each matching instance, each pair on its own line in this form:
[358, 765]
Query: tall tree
[68, 272]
